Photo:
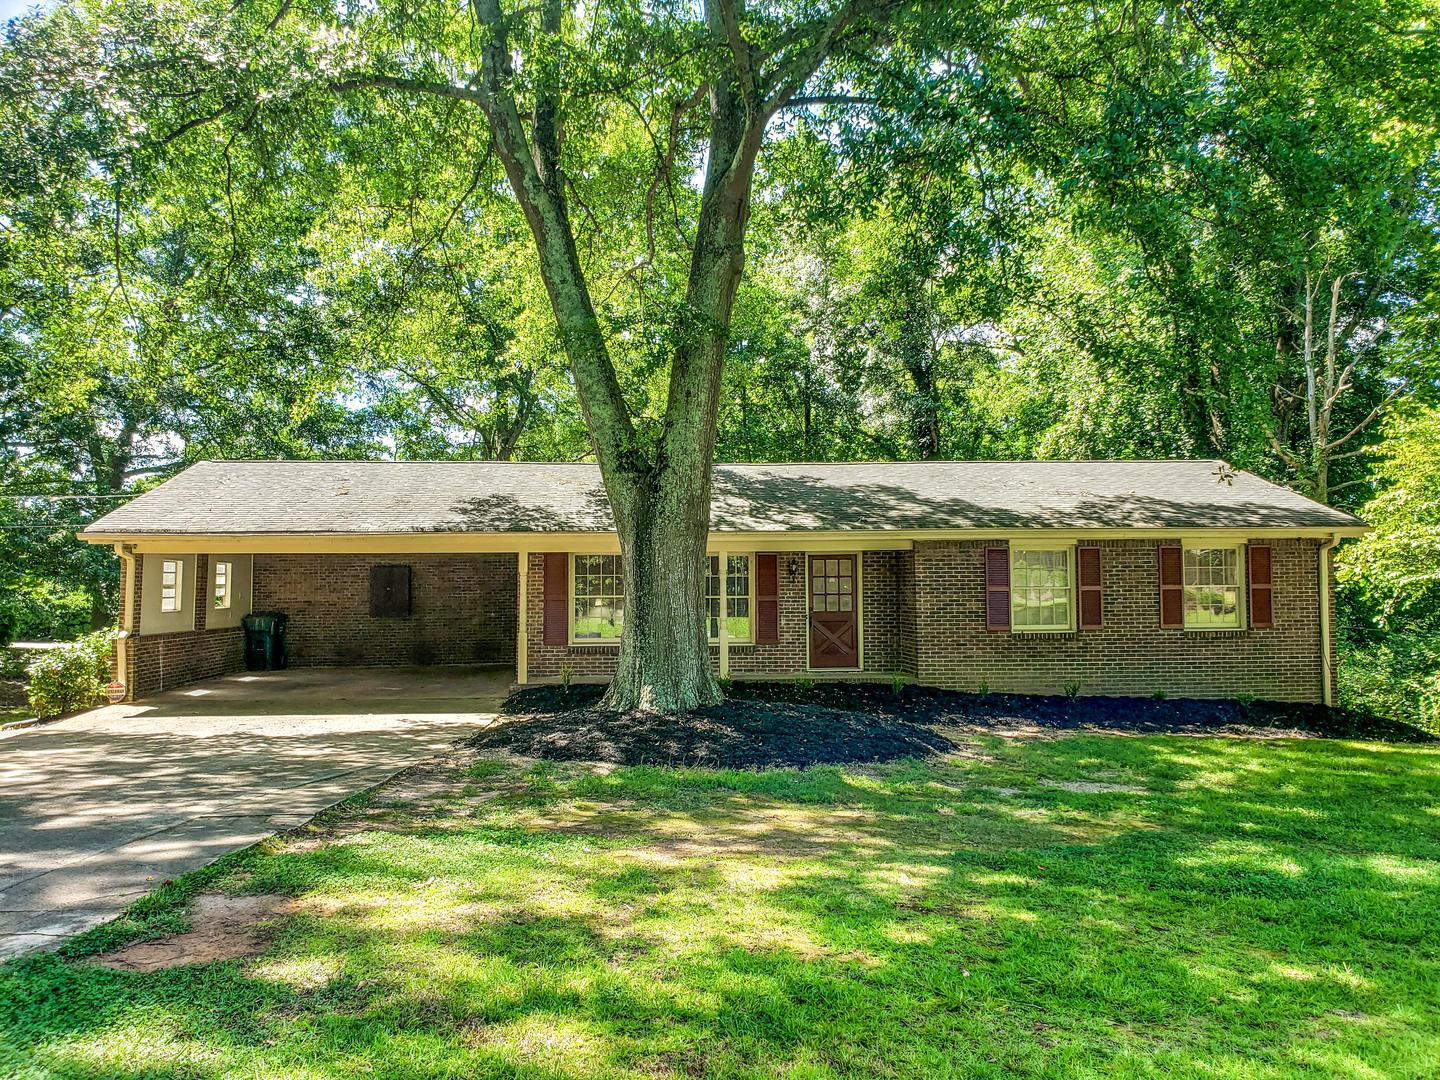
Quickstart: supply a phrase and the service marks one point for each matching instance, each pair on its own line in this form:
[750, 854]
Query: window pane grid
[599, 597]
[737, 597]
[832, 584]
[222, 585]
[1040, 589]
[1212, 588]
[169, 586]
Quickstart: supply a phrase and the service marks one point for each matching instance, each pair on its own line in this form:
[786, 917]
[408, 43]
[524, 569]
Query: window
[737, 598]
[1041, 583]
[170, 585]
[224, 575]
[832, 584]
[599, 598]
[1212, 588]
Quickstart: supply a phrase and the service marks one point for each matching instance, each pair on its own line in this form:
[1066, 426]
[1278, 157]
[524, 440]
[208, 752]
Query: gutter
[1327, 674]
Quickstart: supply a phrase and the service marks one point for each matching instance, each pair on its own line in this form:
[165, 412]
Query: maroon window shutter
[557, 598]
[767, 599]
[1262, 590]
[1172, 587]
[997, 588]
[1087, 560]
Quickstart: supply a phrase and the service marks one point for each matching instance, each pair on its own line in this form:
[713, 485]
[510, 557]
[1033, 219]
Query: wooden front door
[834, 611]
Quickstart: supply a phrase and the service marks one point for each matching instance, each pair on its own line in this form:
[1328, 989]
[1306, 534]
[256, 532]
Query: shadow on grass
[1220, 906]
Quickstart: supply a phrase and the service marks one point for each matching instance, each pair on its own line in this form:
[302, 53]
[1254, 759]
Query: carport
[99, 809]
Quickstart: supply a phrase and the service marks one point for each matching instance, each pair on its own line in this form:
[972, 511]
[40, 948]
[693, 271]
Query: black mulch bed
[771, 725]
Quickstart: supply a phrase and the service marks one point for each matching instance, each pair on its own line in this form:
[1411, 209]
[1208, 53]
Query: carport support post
[724, 633]
[129, 563]
[522, 620]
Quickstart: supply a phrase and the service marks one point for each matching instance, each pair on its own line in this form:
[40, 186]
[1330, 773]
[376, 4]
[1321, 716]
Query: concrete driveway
[100, 809]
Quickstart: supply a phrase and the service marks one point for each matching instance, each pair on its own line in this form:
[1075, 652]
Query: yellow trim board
[608, 543]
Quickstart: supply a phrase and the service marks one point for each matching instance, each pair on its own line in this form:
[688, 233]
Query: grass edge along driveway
[1080, 906]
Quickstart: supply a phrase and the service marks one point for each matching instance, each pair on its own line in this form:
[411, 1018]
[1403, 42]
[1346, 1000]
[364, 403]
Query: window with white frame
[736, 597]
[170, 584]
[1042, 585]
[224, 580]
[1212, 588]
[598, 598]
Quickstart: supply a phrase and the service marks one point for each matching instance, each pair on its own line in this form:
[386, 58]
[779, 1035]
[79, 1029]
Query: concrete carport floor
[99, 809]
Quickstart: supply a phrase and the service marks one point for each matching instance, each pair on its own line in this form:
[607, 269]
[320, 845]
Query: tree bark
[664, 663]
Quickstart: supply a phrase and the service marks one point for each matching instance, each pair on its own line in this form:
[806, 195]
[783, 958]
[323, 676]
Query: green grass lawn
[1222, 908]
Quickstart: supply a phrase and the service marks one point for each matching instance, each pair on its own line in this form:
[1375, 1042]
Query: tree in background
[483, 231]
[1390, 580]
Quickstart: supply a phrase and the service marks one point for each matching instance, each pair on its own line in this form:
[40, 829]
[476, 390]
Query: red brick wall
[923, 617]
[1130, 654]
[462, 609]
[881, 627]
[161, 661]
[549, 661]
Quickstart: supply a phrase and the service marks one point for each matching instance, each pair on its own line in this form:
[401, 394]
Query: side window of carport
[390, 592]
[170, 585]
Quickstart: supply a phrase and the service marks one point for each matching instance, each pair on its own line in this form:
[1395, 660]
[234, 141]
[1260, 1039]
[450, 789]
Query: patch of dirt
[777, 724]
[221, 928]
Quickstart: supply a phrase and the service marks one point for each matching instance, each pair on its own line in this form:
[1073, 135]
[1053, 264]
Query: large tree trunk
[664, 655]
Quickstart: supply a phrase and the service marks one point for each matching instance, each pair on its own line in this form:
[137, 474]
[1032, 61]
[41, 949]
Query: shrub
[12, 663]
[42, 610]
[1396, 676]
[1072, 690]
[898, 682]
[71, 676]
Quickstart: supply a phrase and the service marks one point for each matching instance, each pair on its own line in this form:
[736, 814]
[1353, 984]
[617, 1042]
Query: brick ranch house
[1124, 577]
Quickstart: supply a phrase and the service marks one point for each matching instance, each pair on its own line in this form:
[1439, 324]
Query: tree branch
[742, 52]
[811, 100]
[789, 75]
[378, 81]
[601, 400]
[1370, 417]
[1280, 451]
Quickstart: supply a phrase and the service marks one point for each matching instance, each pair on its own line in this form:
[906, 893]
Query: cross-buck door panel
[834, 612]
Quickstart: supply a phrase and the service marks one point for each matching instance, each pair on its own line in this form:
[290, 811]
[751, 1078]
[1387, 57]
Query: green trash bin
[265, 640]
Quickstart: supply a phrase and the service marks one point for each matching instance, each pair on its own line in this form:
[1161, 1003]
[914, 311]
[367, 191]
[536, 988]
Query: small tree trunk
[664, 663]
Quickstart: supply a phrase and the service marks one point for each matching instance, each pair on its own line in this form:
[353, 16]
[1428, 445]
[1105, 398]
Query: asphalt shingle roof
[360, 497]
